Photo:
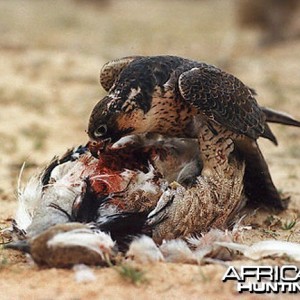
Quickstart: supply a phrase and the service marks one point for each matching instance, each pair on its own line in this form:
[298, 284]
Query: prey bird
[82, 209]
[179, 97]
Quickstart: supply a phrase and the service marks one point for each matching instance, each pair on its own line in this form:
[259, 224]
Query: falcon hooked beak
[108, 123]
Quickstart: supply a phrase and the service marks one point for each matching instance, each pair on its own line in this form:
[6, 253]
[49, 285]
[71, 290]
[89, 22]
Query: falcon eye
[100, 131]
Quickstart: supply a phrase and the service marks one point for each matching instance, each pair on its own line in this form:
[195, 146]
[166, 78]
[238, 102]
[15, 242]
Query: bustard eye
[101, 130]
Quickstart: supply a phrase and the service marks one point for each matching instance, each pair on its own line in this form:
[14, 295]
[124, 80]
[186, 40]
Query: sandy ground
[50, 56]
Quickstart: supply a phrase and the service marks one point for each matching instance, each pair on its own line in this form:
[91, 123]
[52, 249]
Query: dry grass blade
[132, 274]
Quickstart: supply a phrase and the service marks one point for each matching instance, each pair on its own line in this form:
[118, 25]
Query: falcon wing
[223, 98]
[113, 68]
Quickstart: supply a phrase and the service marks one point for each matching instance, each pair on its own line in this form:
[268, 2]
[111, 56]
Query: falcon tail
[259, 186]
[274, 116]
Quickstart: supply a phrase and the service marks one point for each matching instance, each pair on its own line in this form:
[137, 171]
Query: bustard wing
[111, 70]
[224, 99]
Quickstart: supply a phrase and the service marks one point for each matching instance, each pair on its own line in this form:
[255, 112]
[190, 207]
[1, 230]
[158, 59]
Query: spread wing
[224, 99]
[113, 68]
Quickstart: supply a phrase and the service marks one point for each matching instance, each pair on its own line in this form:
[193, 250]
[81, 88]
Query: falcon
[175, 96]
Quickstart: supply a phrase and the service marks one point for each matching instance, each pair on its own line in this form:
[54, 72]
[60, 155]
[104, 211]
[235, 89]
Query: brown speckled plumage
[211, 202]
[166, 94]
[142, 88]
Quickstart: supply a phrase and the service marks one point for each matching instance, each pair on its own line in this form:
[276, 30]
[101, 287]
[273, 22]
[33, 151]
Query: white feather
[144, 181]
[99, 242]
[28, 199]
[144, 250]
[206, 244]
[208, 239]
[266, 248]
[61, 170]
[83, 273]
[177, 251]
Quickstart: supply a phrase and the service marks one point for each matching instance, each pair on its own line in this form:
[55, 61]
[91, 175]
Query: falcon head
[113, 118]
[128, 108]
[134, 104]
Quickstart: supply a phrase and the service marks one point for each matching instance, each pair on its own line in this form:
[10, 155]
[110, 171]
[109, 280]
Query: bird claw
[159, 213]
[164, 205]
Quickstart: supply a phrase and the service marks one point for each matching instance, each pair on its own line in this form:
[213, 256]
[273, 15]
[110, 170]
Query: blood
[113, 169]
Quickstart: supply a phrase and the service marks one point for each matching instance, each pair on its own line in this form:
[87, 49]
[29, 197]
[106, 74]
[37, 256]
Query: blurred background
[51, 53]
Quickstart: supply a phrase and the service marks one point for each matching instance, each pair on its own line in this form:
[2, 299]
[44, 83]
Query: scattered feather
[144, 250]
[177, 251]
[266, 248]
[205, 246]
[208, 239]
[83, 273]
